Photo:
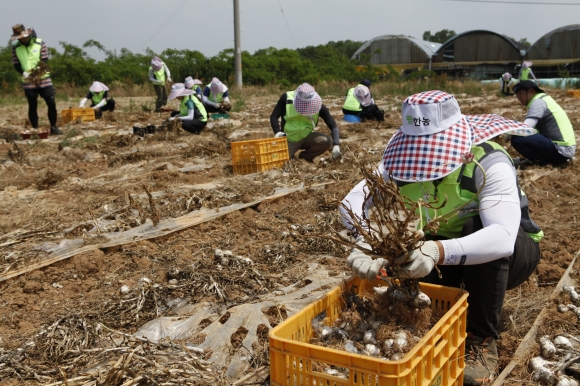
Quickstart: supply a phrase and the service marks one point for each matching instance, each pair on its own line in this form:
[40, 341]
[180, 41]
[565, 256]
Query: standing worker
[489, 248]
[216, 97]
[300, 111]
[99, 97]
[29, 55]
[505, 83]
[555, 142]
[526, 71]
[159, 74]
[191, 111]
[360, 103]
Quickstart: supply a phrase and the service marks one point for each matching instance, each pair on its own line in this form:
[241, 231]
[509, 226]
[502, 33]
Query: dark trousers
[211, 109]
[195, 126]
[487, 283]
[47, 93]
[313, 145]
[538, 148]
[371, 112]
[161, 92]
[109, 106]
[505, 88]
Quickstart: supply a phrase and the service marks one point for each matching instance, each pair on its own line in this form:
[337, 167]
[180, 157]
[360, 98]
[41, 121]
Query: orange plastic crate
[573, 93]
[81, 114]
[259, 155]
[437, 360]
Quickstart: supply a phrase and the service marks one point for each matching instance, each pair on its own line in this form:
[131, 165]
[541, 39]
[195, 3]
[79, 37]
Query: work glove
[170, 119]
[336, 154]
[421, 261]
[363, 265]
[96, 108]
[169, 80]
[280, 134]
[225, 107]
[25, 74]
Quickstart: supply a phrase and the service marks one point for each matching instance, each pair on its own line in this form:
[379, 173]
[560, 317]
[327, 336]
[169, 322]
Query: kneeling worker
[191, 112]
[300, 111]
[360, 102]
[98, 95]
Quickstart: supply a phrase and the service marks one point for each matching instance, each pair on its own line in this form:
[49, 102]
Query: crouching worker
[98, 95]
[191, 111]
[300, 111]
[490, 247]
[216, 97]
[359, 102]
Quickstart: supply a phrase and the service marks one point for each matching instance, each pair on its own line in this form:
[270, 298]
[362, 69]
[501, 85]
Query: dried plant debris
[93, 354]
[381, 324]
[37, 74]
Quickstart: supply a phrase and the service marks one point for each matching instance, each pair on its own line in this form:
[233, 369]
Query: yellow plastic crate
[259, 155]
[437, 360]
[82, 114]
[573, 93]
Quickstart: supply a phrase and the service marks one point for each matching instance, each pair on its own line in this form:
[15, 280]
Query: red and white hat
[363, 95]
[306, 101]
[434, 135]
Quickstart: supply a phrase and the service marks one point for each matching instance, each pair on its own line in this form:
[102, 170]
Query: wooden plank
[528, 342]
[147, 231]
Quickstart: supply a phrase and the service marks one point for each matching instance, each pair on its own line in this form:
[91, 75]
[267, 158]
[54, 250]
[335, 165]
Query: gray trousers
[313, 145]
[161, 92]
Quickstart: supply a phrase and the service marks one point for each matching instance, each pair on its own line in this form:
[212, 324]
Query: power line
[512, 2]
[287, 26]
[164, 24]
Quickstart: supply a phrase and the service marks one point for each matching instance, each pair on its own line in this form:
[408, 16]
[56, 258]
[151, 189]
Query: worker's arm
[279, 111]
[327, 118]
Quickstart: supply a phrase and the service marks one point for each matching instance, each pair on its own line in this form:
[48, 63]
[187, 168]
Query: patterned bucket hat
[20, 32]
[178, 89]
[363, 95]
[216, 86]
[434, 135]
[306, 101]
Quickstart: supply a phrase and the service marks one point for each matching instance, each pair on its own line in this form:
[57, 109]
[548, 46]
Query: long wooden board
[70, 248]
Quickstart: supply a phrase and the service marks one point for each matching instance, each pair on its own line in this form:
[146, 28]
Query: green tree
[439, 36]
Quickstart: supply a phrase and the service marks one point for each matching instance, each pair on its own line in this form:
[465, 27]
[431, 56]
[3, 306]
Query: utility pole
[237, 45]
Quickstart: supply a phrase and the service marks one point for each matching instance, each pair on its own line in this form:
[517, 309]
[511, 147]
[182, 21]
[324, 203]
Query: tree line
[74, 66]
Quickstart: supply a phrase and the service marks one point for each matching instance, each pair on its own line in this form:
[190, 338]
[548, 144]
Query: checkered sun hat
[434, 134]
[306, 101]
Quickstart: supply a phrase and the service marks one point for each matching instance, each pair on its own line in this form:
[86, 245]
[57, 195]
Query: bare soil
[53, 190]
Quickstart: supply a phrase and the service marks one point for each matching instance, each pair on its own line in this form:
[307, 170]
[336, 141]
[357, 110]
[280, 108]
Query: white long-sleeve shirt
[500, 213]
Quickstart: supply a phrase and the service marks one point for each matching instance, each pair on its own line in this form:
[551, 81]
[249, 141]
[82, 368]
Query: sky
[207, 25]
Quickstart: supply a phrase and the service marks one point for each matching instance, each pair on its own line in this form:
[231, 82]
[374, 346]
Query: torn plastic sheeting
[249, 316]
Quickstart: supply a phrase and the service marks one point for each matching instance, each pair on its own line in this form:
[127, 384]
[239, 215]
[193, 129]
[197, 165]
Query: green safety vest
[297, 126]
[457, 189]
[159, 75]
[525, 74]
[29, 56]
[351, 103]
[217, 97]
[98, 97]
[184, 110]
[555, 124]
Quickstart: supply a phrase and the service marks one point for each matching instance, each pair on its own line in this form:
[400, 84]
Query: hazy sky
[207, 25]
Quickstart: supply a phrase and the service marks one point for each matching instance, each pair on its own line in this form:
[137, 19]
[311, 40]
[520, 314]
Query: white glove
[169, 80]
[421, 261]
[25, 74]
[363, 265]
[280, 134]
[83, 101]
[336, 154]
[170, 119]
[96, 108]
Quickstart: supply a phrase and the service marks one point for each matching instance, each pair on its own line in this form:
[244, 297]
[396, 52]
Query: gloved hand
[96, 108]
[225, 107]
[169, 80]
[280, 134]
[170, 119]
[363, 265]
[421, 261]
[336, 154]
[25, 74]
